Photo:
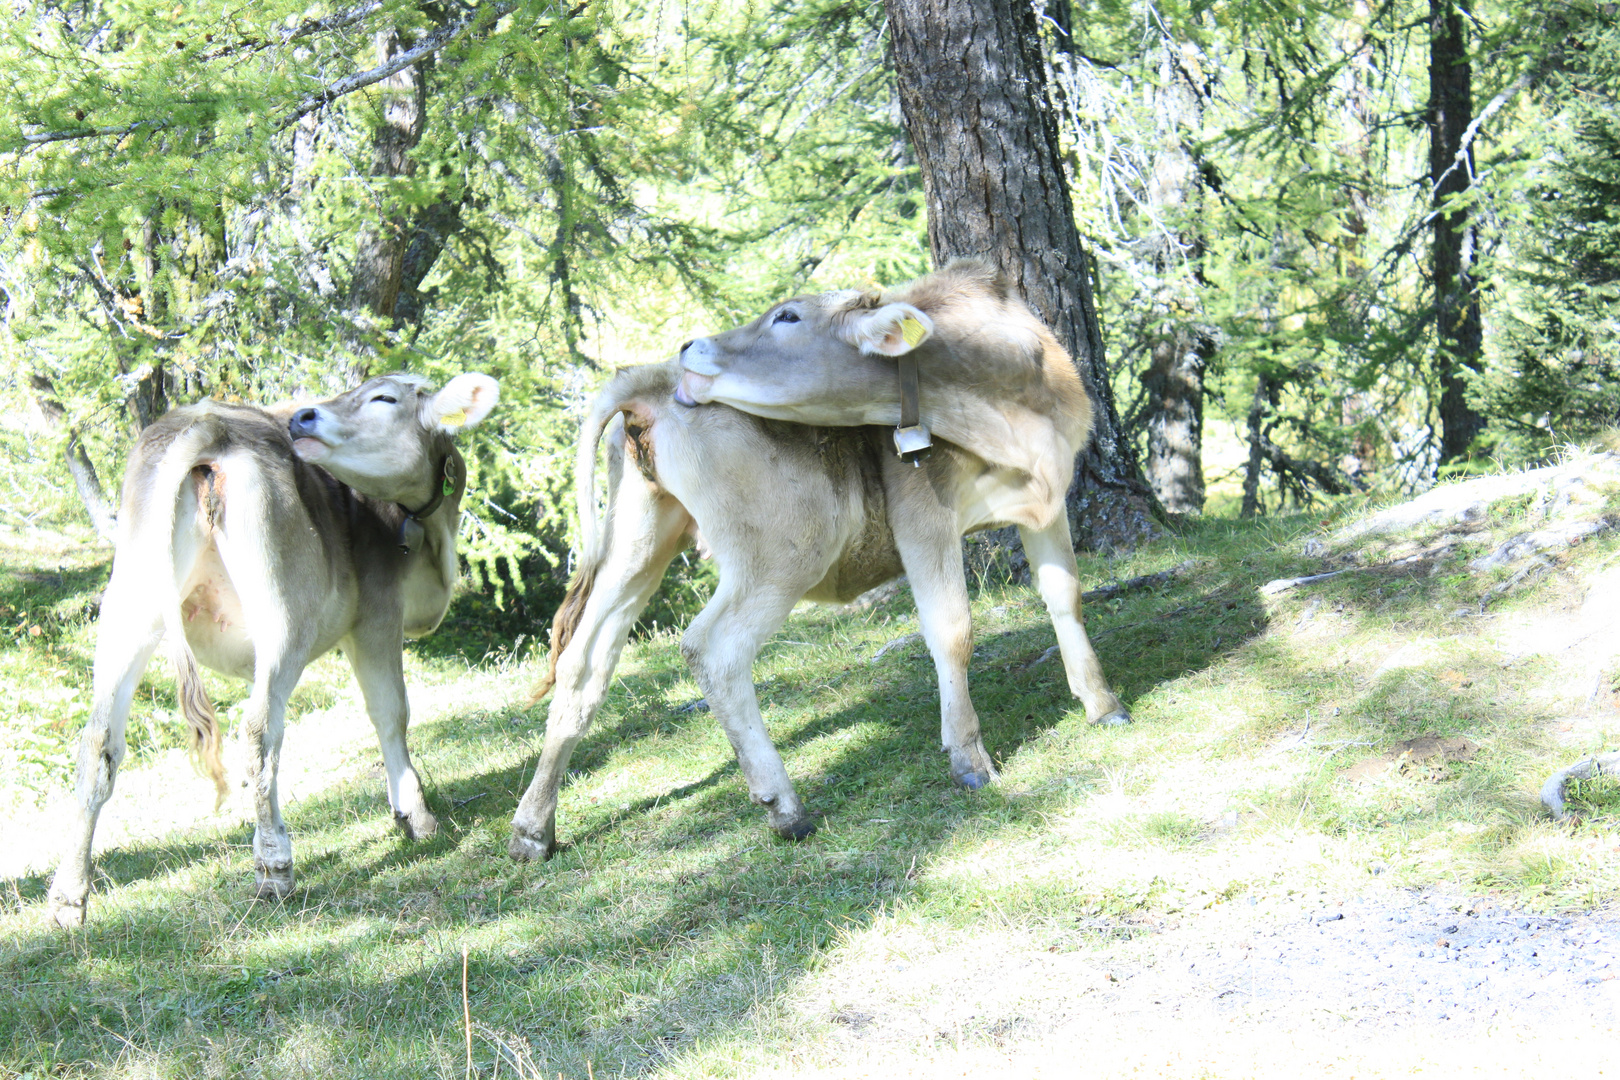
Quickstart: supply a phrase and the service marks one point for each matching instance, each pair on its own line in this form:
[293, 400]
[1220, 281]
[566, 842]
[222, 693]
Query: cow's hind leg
[379, 669]
[126, 635]
[264, 719]
[720, 646]
[931, 550]
[646, 530]
[1051, 560]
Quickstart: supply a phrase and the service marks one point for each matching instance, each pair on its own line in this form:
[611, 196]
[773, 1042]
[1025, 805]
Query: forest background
[1350, 246]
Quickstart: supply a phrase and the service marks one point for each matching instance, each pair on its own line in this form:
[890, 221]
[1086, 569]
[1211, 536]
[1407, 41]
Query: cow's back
[306, 542]
[768, 490]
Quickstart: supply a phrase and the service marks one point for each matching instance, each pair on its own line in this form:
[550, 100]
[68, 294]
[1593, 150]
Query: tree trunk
[1183, 346]
[972, 85]
[151, 397]
[1259, 408]
[433, 227]
[1451, 172]
[379, 260]
[1175, 419]
[102, 513]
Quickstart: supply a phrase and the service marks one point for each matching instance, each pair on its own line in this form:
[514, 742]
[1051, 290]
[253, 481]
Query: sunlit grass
[674, 936]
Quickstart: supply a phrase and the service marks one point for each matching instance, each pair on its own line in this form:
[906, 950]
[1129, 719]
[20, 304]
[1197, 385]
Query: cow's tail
[155, 547]
[591, 534]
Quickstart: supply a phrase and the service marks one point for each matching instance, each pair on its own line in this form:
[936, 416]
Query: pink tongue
[693, 389]
[309, 449]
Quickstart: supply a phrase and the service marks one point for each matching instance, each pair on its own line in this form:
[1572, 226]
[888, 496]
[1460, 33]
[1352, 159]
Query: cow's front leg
[263, 723]
[931, 549]
[1051, 561]
[645, 531]
[126, 637]
[720, 646]
[378, 664]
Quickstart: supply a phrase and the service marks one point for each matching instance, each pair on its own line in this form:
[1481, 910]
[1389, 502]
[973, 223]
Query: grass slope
[674, 936]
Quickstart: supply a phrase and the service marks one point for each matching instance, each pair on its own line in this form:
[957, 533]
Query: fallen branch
[1494, 591]
[1146, 581]
[1552, 792]
[1284, 584]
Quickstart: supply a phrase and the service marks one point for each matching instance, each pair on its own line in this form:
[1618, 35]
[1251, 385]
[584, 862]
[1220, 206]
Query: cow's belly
[211, 613]
[862, 566]
[867, 556]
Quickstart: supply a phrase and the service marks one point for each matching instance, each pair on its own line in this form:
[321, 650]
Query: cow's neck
[430, 562]
[441, 483]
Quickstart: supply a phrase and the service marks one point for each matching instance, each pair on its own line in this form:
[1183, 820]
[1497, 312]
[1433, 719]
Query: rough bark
[80, 467]
[1360, 121]
[1175, 419]
[433, 227]
[380, 258]
[1183, 345]
[151, 397]
[1451, 173]
[1258, 409]
[973, 93]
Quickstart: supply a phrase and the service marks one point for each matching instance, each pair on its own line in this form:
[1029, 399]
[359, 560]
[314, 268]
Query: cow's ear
[891, 330]
[464, 401]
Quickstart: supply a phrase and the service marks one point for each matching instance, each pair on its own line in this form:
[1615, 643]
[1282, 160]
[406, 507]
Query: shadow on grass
[662, 922]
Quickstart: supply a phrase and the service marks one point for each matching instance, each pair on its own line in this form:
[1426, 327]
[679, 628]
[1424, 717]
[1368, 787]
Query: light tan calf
[257, 540]
[993, 380]
[788, 512]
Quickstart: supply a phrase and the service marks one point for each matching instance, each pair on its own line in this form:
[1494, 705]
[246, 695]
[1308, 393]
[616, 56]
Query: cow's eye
[385, 398]
[786, 315]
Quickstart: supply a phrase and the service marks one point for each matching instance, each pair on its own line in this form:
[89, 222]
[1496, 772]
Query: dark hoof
[801, 829]
[1117, 718]
[527, 849]
[973, 781]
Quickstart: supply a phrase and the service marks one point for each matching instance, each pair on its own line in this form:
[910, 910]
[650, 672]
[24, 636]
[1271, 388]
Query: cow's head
[386, 438]
[827, 359]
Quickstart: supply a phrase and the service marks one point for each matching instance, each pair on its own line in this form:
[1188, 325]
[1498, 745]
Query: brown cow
[791, 511]
[257, 540]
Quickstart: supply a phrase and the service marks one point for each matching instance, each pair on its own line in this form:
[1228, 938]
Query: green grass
[674, 936]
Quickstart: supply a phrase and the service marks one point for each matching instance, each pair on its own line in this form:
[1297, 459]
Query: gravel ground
[1390, 985]
[1387, 964]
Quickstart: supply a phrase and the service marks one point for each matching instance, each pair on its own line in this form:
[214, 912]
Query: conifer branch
[400, 61]
[432, 43]
[43, 137]
[303, 30]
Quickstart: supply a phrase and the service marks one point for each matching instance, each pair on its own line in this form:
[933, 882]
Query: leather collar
[410, 527]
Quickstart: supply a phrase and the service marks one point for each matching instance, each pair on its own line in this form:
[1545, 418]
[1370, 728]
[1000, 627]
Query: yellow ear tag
[913, 331]
[455, 419]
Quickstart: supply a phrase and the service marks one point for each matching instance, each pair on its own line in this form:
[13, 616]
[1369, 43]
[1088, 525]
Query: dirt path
[1382, 986]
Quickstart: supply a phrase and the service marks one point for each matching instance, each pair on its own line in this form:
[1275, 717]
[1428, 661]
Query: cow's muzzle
[698, 356]
[304, 429]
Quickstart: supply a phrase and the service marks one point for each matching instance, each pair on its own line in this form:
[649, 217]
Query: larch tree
[973, 94]
[401, 109]
[1458, 324]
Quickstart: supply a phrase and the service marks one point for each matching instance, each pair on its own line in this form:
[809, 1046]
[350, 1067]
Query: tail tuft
[564, 624]
[198, 709]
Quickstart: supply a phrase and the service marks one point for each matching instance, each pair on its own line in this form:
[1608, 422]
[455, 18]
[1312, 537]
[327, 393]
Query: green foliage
[1595, 795]
[1558, 373]
[591, 184]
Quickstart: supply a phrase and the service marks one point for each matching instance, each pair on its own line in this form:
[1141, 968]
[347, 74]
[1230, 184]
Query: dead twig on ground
[1552, 792]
